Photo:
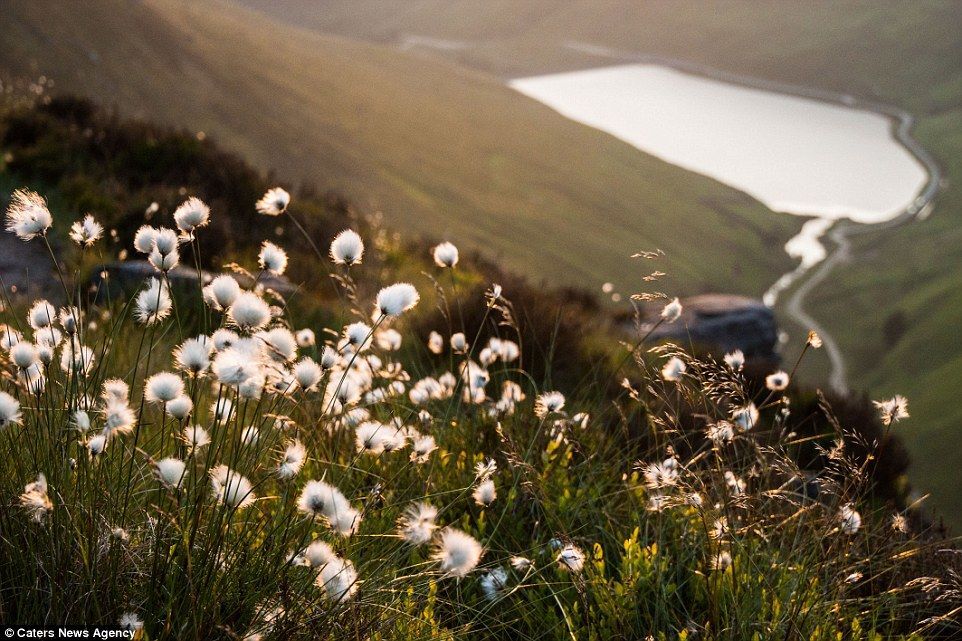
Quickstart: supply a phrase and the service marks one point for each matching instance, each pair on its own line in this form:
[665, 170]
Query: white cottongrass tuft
[745, 417]
[192, 214]
[571, 559]
[249, 311]
[280, 344]
[445, 255]
[28, 215]
[893, 410]
[485, 493]
[418, 524]
[305, 337]
[86, 232]
[193, 355]
[117, 390]
[777, 381]
[735, 360]
[181, 407]
[231, 488]
[435, 343]
[196, 436]
[118, 418]
[272, 258]
[329, 358]
[153, 303]
[41, 315]
[459, 343]
[396, 299]
[849, 520]
[671, 311]
[315, 555]
[9, 410]
[274, 202]
[389, 340]
[234, 367]
[674, 369]
[96, 444]
[358, 336]
[69, 318]
[548, 403]
[376, 438]
[130, 622]
[145, 239]
[320, 499]
[77, 359]
[292, 461]
[163, 387]
[493, 583]
[35, 500]
[457, 552]
[307, 374]
[24, 355]
[659, 476]
[222, 292]
[170, 472]
[338, 579]
[421, 448]
[347, 248]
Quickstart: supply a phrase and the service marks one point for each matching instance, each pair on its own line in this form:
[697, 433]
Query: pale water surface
[796, 155]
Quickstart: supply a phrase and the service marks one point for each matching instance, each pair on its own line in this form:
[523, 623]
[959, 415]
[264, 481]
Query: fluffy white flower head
[163, 387]
[274, 202]
[671, 311]
[249, 311]
[396, 299]
[457, 552]
[28, 215]
[272, 258]
[170, 471]
[191, 214]
[445, 255]
[86, 232]
[347, 248]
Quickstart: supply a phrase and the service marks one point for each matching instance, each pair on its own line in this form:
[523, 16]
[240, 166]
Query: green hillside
[907, 54]
[442, 150]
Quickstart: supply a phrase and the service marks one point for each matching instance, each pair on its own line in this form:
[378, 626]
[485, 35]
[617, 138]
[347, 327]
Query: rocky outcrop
[721, 323]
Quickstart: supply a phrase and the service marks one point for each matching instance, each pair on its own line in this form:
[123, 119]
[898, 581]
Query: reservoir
[796, 155]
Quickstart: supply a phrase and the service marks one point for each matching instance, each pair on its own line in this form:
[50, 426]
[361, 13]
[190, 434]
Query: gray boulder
[722, 323]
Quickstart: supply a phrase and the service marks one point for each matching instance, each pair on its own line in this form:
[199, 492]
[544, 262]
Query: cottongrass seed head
[231, 488]
[347, 248]
[28, 215]
[274, 202]
[192, 214]
[396, 299]
[445, 255]
[86, 232]
[272, 258]
[457, 552]
[893, 410]
[671, 311]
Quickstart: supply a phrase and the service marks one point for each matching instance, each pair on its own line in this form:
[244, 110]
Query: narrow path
[843, 230]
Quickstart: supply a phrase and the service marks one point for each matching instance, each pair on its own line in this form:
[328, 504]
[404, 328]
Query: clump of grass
[204, 466]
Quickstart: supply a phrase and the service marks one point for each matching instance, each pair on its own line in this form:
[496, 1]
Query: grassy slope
[909, 54]
[442, 149]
